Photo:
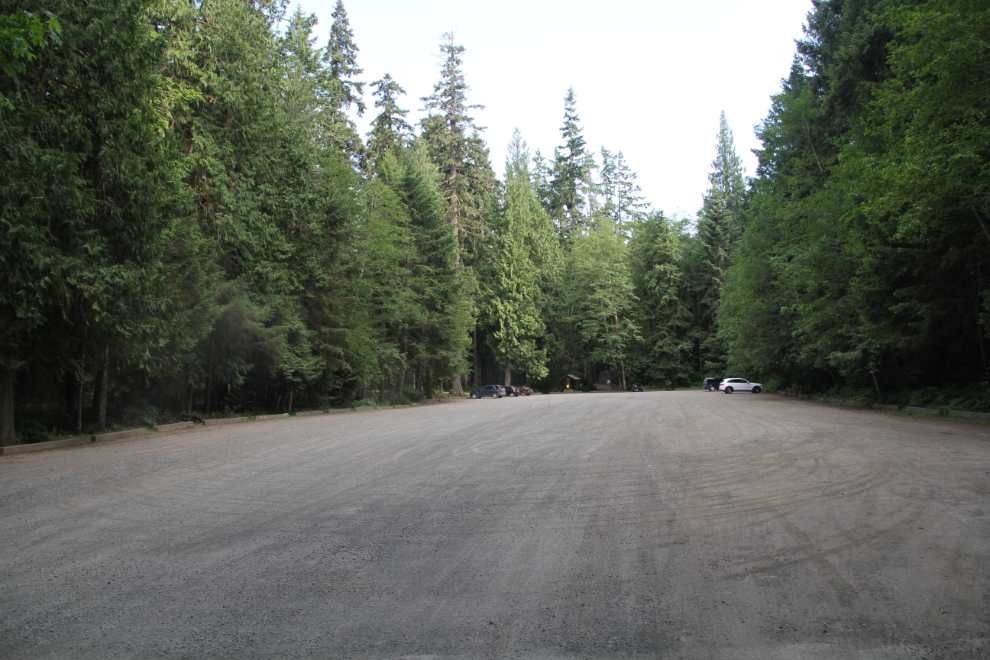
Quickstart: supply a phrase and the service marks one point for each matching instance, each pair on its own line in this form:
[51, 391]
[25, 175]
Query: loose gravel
[660, 524]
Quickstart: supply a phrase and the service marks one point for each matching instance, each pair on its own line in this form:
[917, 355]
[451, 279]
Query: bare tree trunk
[101, 417]
[79, 402]
[427, 383]
[7, 437]
[457, 385]
[291, 392]
[477, 376]
[875, 383]
[508, 373]
[189, 403]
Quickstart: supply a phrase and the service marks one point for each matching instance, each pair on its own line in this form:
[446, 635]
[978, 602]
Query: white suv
[730, 385]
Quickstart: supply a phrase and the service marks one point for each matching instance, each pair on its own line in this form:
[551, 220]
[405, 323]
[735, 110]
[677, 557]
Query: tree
[341, 54]
[389, 130]
[456, 146]
[658, 245]
[86, 178]
[21, 35]
[606, 300]
[460, 154]
[621, 197]
[525, 252]
[720, 224]
[571, 173]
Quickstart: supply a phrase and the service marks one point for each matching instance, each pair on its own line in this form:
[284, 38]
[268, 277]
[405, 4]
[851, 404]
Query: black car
[637, 388]
[494, 391]
[711, 384]
[512, 390]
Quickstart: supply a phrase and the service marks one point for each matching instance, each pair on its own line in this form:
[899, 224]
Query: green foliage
[526, 254]
[190, 226]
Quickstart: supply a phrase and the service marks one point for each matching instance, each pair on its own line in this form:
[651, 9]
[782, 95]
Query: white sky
[651, 77]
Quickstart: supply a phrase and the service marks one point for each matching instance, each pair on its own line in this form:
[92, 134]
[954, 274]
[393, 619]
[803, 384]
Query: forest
[192, 226]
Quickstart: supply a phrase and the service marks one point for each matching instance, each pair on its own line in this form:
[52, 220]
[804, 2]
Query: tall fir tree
[345, 91]
[456, 145]
[720, 223]
[571, 173]
[389, 130]
[622, 198]
[525, 254]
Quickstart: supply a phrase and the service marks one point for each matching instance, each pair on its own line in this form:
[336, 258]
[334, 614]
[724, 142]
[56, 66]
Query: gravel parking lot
[665, 524]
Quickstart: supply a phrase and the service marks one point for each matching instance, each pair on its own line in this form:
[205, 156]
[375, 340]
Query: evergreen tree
[719, 227]
[571, 173]
[456, 146]
[658, 246]
[344, 91]
[86, 179]
[461, 156]
[389, 130]
[525, 252]
[603, 308]
[622, 200]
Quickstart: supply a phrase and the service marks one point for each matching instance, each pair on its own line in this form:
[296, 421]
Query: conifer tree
[720, 224]
[456, 146]
[525, 253]
[658, 246]
[341, 55]
[571, 173]
[389, 130]
[621, 195]
[461, 156]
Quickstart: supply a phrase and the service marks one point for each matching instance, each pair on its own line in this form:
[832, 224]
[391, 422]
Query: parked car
[730, 385]
[494, 391]
[525, 391]
[637, 388]
[711, 384]
[511, 390]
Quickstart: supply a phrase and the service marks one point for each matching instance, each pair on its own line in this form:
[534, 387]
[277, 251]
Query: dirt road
[669, 524]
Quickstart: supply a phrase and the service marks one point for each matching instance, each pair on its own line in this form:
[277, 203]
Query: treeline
[193, 225]
[865, 260]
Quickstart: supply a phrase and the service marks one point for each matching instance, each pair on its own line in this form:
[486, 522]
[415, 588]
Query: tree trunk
[291, 393]
[6, 406]
[457, 385]
[189, 403]
[477, 376]
[79, 400]
[101, 416]
[427, 383]
[508, 373]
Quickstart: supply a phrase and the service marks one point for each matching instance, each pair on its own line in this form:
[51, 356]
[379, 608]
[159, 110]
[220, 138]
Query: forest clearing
[193, 227]
[660, 524]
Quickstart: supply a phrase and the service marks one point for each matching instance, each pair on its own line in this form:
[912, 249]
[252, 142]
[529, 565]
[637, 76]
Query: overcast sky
[651, 77]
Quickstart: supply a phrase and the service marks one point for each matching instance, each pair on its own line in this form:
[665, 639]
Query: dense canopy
[191, 224]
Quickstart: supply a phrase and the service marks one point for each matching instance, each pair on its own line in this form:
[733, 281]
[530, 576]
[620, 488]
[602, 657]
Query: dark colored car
[711, 384]
[513, 390]
[494, 391]
[637, 388]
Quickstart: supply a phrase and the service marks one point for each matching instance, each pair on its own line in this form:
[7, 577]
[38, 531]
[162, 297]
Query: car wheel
[473, 395]
[728, 390]
[757, 390]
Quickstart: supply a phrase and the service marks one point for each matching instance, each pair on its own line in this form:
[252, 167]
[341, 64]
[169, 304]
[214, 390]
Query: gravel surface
[666, 524]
